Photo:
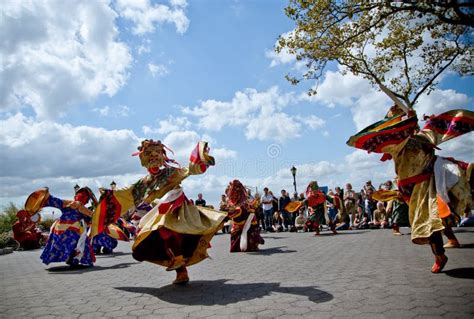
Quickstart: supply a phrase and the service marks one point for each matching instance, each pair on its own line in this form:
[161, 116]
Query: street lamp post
[293, 172]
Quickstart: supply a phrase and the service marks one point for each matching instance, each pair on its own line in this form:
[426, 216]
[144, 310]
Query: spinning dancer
[436, 189]
[174, 234]
[68, 240]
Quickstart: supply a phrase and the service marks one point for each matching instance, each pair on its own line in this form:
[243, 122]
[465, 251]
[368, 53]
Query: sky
[83, 82]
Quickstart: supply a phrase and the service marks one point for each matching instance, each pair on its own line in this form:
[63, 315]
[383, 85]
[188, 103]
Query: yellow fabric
[58, 226]
[385, 195]
[188, 219]
[36, 201]
[387, 124]
[411, 158]
[438, 138]
[293, 206]
[115, 232]
[124, 197]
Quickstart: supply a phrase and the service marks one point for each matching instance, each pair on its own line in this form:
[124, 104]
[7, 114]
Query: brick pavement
[357, 274]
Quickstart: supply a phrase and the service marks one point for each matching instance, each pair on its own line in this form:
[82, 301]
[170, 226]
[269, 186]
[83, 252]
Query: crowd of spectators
[348, 210]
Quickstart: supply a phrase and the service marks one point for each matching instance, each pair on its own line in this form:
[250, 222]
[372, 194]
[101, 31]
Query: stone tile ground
[357, 274]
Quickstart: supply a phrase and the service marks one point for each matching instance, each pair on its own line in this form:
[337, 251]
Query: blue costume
[104, 243]
[68, 241]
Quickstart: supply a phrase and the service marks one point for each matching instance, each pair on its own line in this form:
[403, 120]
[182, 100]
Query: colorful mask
[236, 193]
[153, 155]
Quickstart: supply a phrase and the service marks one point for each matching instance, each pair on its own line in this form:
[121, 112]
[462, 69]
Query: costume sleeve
[54, 202]
[441, 128]
[200, 159]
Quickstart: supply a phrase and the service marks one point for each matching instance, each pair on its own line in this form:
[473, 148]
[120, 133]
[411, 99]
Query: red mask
[82, 198]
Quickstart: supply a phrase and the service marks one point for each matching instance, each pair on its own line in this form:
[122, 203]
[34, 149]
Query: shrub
[6, 240]
[45, 225]
[8, 217]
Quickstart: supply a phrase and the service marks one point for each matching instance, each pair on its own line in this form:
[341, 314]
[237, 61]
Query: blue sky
[80, 92]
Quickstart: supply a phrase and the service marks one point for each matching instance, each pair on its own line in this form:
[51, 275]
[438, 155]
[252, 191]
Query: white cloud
[275, 126]
[118, 111]
[223, 153]
[52, 61]
[312, 121]
[260, 113]
[461, 148]
[37, 154]
[169, 125]
[284, 56]
[440, 101]
[38, 150]
[144, 47]
[157, 70]
[183, 142]
[145, 15]
[17, 189]
[179, 3]
[339, 89]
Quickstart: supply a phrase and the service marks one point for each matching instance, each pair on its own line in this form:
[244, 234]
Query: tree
[402, 47]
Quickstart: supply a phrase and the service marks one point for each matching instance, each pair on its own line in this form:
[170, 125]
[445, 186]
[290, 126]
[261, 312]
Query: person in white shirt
[267, 206]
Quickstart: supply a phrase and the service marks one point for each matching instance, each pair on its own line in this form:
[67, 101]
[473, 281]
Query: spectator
[398, 210]
[368, 185]
[332, 207]
[277, 222]
[362, 220]
[350, 198]
[282, 202]
[370, 204]
[295, 197]
[380, 217]
[300, 220]
[339, 191]
[223, 203]
[200, 201]
[227, 226]
[267, 207]
[256, 203]
[389, 185]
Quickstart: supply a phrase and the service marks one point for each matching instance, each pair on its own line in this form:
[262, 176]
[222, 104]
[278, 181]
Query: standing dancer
[318, 212]
[174, 234]
[245, 232]
[436, 189]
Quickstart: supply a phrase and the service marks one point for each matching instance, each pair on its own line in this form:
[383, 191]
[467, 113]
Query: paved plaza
[357, 274]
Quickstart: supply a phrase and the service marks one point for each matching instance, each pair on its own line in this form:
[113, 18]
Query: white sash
[81, 243]
[171, 196]
[243, 237]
